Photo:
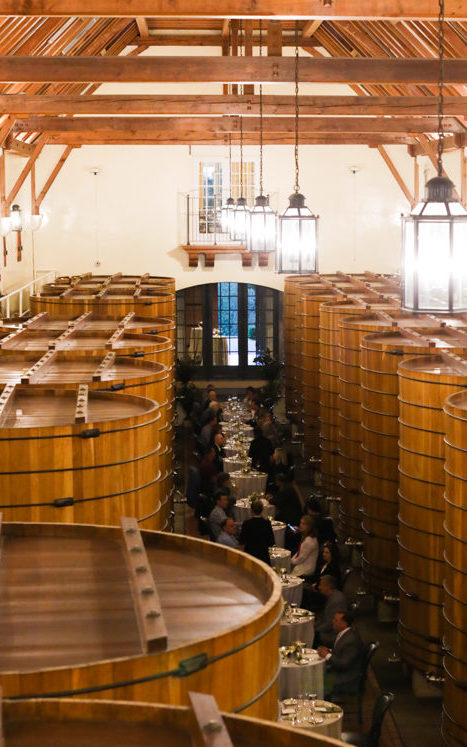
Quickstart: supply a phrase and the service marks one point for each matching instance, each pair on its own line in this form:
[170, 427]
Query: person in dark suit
[261, 451]
[257, 535]
[344, 661]
[289, 509]
[335, 602]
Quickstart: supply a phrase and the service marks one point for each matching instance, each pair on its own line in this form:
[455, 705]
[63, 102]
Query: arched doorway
[225, 326]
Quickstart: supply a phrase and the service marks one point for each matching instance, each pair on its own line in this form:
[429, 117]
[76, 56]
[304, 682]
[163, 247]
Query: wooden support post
[249, 88]
[151, 624]
[416, 180]
[26, 170]
[274, 38]
[55, 171]
[384, 154]
[209, 729]
[5, 129]
[463, 177]
[81, 411]
[234, 26]
[3, 206]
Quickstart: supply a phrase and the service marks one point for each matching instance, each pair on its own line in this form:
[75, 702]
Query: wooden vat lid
[66, 592]
[66, 367]
[363, 302]
[436, 367]
[436, 337]
[75, 723]
[31, 407]
[74, 338]
[91, 320]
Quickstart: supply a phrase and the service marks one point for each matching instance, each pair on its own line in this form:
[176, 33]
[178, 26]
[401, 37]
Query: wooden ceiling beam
[13, 145]
[283, 9]
[227, 70]
[142, 25]
[24, 104]
[137, 125]
[220, 138]
[309, 28]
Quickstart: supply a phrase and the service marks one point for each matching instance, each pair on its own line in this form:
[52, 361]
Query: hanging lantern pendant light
[434, 235]
[228, 208]
[262, 235]
[297, 251]
[241, 212]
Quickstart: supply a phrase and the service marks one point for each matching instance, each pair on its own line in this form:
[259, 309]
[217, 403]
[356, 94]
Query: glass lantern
[434, 252]
[241, 215]
[16, 221]
[262, 235]
[227, 215]
[297, 252]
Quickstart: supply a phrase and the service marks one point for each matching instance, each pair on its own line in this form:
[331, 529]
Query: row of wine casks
[90, 464]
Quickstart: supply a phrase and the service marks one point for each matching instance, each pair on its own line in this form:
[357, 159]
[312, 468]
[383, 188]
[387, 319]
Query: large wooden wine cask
[313, 295]
[139, 616]
[292, 295]
[105, 373]
[331, 314]
[82, 723]
[424, 384]
[78, 455]
[454, 722]
[381, 354]
[113, 294]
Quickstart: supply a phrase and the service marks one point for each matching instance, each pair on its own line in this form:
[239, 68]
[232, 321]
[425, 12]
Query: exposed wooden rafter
[37, 201]
[396, 174]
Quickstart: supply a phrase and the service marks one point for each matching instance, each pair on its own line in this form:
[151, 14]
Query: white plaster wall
[127, 218]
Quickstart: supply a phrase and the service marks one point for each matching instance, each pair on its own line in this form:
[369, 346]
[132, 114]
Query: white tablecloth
[292, 590]
[280, 558]
[304, 677]
[233, 463]
[219, 347]
[278, 527]
[242, 510]
[331, 725]
[300, 628]
[250, 482]
[233, 429]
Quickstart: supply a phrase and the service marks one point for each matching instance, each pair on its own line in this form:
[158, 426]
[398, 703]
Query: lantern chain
[440, 86]
[297, 187]
[241, 117]
[260, 113]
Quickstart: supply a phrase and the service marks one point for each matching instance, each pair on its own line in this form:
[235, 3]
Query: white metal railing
[17, 297]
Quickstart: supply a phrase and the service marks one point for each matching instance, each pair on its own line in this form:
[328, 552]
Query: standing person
[287, 503]
[261, 451]
[335, 602]
[344, 662]
[218, 514]
[257, 534]
[304, 560]
[227, 534]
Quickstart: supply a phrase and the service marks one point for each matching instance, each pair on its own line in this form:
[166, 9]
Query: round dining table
[325, 718]
[304, 676]
[280, 557]
[292, 589]
[278, 527]
[242, 510]
[245, 483]
[297, 625]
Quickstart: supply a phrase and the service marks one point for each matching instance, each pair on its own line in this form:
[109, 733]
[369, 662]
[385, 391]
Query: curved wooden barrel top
[32, 407]
[94, 321]
[442, 337]
[81, 340]
[65, 597]
[83, 723]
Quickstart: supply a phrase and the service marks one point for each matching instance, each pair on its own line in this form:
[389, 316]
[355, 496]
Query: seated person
[224, 483]
[218, 441]
[344, 662]
[287, 503]
[207, 429]
[249, 395]
[218, 514]
[325, 633]
[257, 535]
[304, 560]
[227, 534]
[208, 472]
[269, 428]
[328, 565]
[261, 451]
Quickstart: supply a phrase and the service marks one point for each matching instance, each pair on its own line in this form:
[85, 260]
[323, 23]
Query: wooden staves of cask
[292, 295]
[353, 329]
[380, 357]
[424, 384]
[455, 586]
[78, 455]
[331, 314]
[221, 630]
[313, 295]
[77, 723]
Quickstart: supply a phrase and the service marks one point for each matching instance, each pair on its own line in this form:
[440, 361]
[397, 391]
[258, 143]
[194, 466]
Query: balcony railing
[17, 301]
[202, 220]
